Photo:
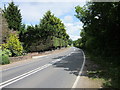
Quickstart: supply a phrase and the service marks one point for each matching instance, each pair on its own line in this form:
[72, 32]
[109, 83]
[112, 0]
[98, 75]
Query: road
[59, 70]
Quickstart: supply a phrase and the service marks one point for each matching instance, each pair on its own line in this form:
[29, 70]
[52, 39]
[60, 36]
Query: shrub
[14, 45]
[6, 52]
[5, 59]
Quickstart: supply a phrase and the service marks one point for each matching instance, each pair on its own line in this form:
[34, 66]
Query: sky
[33, 10]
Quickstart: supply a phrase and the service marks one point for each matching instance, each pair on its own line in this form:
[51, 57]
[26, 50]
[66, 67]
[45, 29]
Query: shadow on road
[71, 63]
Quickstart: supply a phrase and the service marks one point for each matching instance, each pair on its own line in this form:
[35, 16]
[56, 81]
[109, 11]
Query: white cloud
[74, 37]
[46, 0]
[32, 12]
[68, 19]
[73, 28]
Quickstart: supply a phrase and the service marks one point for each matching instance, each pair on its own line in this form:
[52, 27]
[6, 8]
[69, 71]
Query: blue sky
[33, 10]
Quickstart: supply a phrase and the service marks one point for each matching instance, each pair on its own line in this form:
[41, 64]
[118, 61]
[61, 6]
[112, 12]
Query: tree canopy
[100, 31]
[13, 16]
[100, 36]
[52, 26]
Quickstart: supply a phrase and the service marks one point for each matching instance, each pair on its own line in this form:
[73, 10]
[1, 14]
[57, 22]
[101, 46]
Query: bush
[5, 59]
[14, 45]
[6, 52]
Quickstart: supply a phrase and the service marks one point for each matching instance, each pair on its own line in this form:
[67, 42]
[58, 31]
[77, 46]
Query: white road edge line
[78, 77]
[15, 79]
[23, 76]
[34, 57]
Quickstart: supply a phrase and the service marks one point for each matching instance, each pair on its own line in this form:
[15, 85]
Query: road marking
[56, 60]
[34, 57]
[15, 79]
[8, 82]
[78, 77]
[21, 75]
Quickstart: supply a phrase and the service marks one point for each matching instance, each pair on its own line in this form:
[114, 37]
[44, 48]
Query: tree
[70, 42]
[49, 34]
[77, 43]
[47, 24]
[101, 22]
[52, 26]
[100, 36]
[13, 16]
[4, 32]
[22, 32]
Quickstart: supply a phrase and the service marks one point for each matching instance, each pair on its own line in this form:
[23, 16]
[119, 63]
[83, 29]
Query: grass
[107, 70]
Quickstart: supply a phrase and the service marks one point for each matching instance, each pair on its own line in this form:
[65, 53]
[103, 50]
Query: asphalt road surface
[59, 70]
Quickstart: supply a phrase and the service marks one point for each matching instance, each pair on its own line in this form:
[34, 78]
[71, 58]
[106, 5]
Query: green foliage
[100, 35]
[7, 52]
[77, 43]
[70, 42]
[4, 59]
[49, 34]
[34, 38]
[56, 42]
[14, 45]
[13, 16]
[100, 24]
[47, 24]
[22, 31]
[52, 26]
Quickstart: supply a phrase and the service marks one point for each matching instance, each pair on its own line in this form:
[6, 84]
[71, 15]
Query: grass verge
[105, 69]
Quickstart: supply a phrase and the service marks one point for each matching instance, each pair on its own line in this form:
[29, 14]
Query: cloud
[74, 37]
[68, 19]
[73, 27]
[32, 12]
[82, 1]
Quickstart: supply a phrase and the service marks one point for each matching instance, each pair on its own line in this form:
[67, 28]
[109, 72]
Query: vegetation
[4, 57]
[70, 42]
[77, 43]
[49, 34]
[100, 37]
[5, 60]
[13, 16]
[13, 44]
[53, 27]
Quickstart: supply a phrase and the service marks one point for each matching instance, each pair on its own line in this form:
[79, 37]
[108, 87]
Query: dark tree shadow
[71, 63]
